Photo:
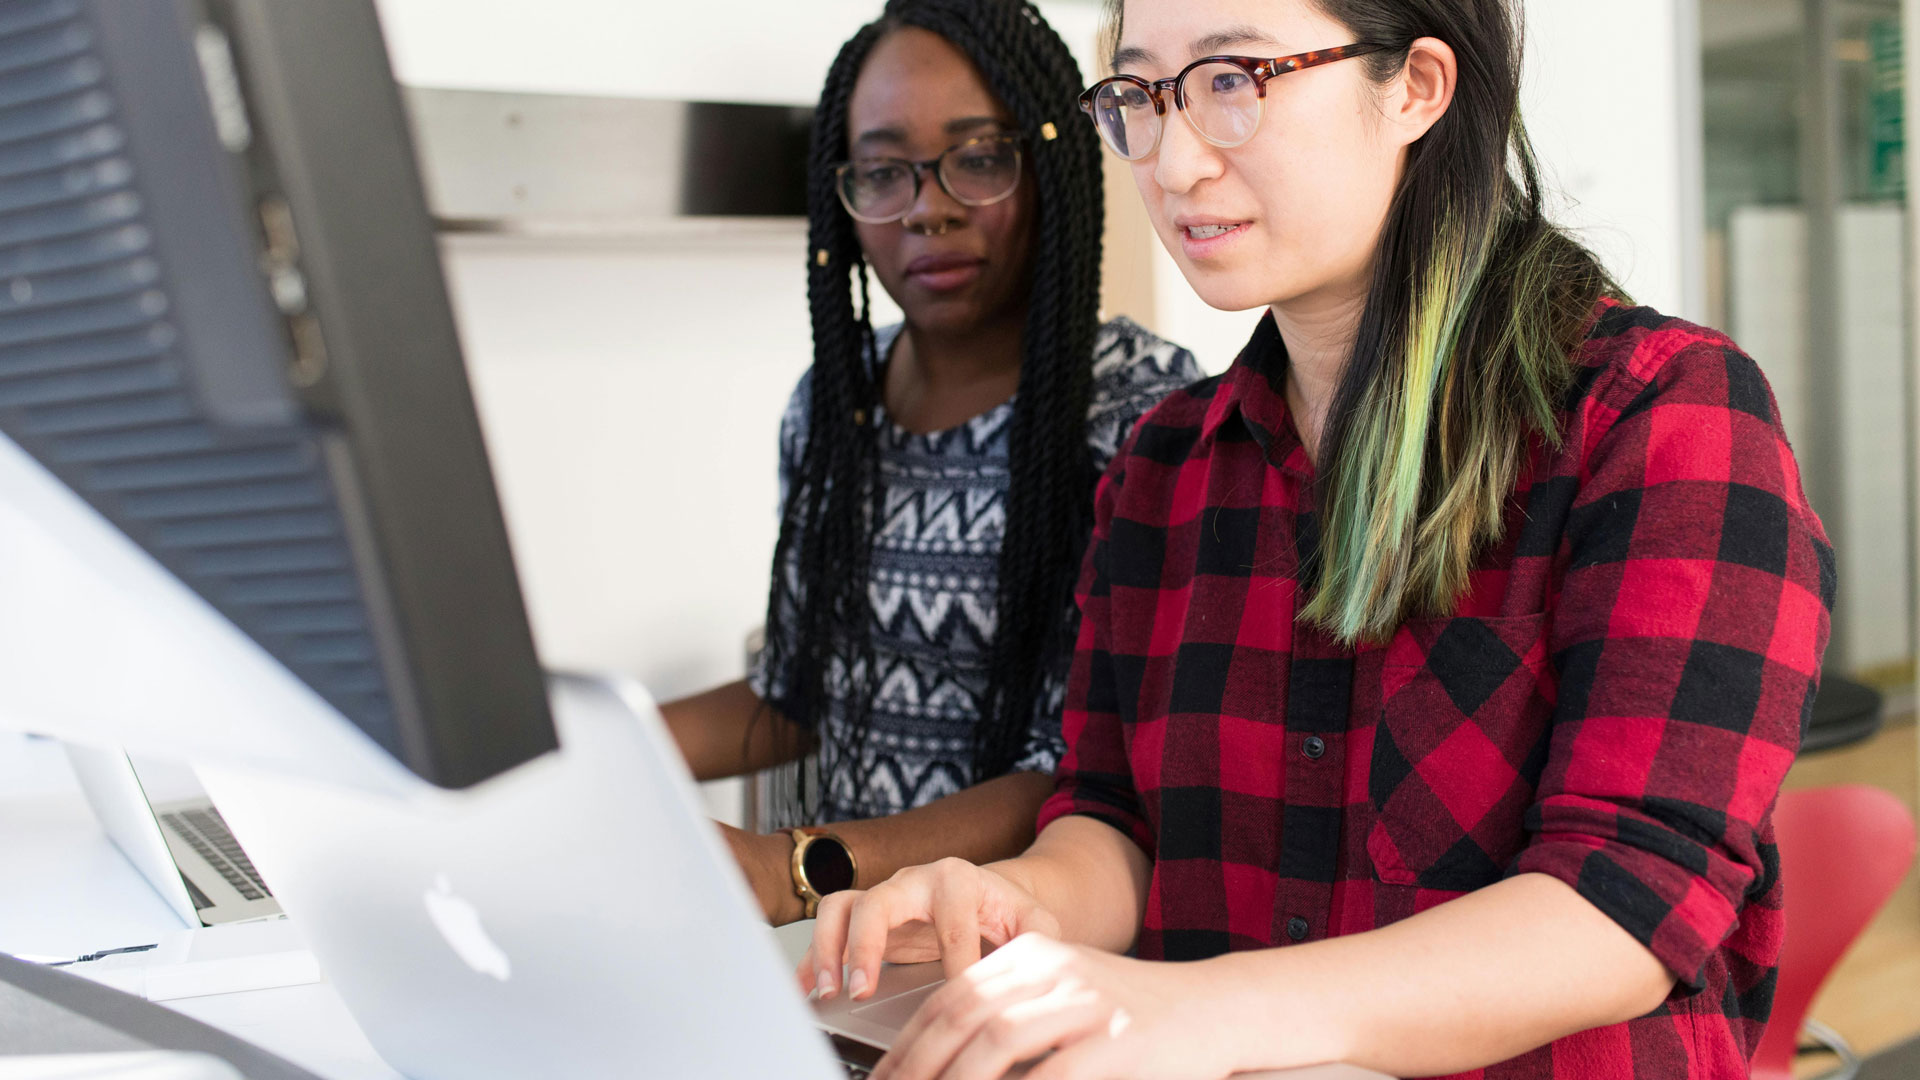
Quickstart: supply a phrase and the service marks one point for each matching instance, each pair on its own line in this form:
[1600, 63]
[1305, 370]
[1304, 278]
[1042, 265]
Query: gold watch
[822, 864]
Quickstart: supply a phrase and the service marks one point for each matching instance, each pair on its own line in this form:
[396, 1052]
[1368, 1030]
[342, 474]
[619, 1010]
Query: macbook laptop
[578, 916]
[181, 845]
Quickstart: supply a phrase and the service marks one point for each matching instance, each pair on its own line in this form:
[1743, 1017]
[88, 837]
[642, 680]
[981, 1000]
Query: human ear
[1423, 90]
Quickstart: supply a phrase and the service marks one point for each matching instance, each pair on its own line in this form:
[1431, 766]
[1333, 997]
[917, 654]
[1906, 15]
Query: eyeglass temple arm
[1302, 61]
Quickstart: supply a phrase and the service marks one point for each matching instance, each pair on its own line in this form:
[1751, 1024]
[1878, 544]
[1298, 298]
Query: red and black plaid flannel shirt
[1613, 703]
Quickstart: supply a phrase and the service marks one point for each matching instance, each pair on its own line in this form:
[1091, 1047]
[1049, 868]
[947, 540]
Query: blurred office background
[635, 315]
[1809, 256]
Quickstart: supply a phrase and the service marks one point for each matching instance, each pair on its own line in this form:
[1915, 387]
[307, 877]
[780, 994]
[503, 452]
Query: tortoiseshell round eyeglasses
[1223, 107]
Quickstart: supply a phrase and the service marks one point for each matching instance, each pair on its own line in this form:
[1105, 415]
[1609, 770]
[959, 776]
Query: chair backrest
[1843, 850]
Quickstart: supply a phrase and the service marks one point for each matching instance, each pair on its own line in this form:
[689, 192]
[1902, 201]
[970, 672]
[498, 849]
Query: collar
[1253, 392]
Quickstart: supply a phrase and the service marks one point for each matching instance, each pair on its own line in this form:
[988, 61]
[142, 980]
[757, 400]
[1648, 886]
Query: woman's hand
[942, 911]
[1097, 1014]
[767, 862]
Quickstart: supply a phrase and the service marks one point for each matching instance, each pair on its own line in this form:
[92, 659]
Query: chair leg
[1832, 1040]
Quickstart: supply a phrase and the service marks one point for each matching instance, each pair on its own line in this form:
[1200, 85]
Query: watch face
[829, 867]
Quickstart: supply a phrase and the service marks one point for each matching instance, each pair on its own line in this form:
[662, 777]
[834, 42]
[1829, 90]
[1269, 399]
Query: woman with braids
[1439, 662]
[937, 477]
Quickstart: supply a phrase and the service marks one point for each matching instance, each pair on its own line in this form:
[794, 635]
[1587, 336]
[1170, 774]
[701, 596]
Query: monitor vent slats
[26, 16]
[229, 467]
[93, 383]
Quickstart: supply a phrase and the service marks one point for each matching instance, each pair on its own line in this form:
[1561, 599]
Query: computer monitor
[246, 521]
[224, 329]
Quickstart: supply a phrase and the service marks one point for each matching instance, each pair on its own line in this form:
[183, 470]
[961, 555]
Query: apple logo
[459, 922]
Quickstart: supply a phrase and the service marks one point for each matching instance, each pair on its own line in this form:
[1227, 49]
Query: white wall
[646, 48]
[1613, 104]
[631, 396]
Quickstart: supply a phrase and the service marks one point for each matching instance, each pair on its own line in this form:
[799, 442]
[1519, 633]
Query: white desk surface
[67, 891]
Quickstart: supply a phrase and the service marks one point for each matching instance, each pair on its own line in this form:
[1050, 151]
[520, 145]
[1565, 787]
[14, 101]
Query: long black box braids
[818, 612]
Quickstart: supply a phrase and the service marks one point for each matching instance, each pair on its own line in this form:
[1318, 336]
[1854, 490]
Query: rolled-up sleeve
[1095, 778]
[1687, 635]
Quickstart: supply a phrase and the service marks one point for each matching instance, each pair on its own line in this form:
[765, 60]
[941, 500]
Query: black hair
[819, 621]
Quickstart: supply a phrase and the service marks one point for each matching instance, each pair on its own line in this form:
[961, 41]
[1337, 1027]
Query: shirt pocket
[1458, 748]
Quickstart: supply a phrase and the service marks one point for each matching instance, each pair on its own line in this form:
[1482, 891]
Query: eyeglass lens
[1222, 103]
[976, 174]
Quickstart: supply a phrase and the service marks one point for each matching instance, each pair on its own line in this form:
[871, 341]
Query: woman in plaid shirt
[1439, 663]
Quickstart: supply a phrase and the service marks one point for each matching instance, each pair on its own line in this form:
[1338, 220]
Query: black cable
[103, 953]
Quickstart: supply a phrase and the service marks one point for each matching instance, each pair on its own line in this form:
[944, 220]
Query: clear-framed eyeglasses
[1221, 97]
[978, 172]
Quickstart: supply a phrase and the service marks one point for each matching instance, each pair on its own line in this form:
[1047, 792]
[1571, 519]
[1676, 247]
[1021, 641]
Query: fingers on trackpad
[894, 1012]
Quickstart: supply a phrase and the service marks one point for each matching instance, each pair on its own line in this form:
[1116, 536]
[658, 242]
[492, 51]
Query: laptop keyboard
[206, 832]
[856, 1057]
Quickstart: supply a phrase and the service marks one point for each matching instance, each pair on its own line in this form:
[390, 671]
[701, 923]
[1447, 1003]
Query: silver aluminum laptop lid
[576, 916]
[114, 793]
[197, 891]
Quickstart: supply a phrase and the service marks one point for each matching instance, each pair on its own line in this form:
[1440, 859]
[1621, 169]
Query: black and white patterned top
[934, 577]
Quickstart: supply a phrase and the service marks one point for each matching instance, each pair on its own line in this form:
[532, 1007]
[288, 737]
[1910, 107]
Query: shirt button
[1297, 928]
[1314, 747]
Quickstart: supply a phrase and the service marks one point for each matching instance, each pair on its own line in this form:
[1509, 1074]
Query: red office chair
[1843, 850]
